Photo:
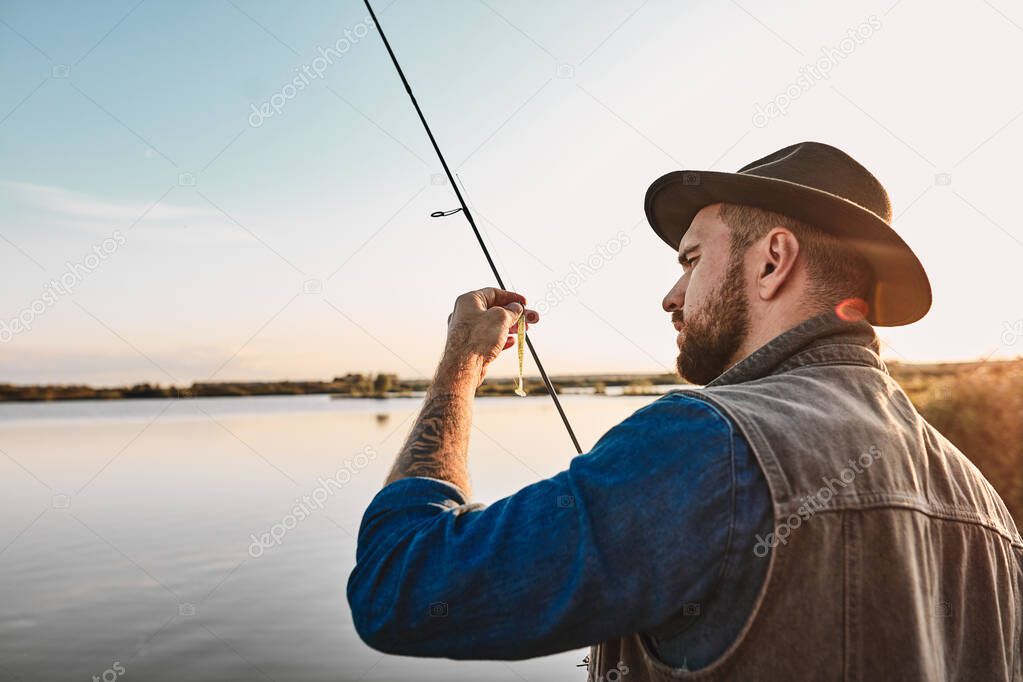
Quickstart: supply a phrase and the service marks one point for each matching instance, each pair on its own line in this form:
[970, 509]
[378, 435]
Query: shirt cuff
[418, 490]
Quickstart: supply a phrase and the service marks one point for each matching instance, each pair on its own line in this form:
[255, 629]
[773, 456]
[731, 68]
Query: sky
[175, 208]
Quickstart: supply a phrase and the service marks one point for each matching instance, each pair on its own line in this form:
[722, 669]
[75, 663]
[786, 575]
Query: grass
[979, 407]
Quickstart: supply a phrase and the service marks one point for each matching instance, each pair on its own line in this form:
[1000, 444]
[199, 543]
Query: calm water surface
[126, 538]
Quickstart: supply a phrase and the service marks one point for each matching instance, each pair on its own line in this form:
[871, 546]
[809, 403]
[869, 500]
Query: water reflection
[128, 528]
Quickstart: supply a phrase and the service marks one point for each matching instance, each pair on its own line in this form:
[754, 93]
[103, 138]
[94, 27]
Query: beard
[713, 335]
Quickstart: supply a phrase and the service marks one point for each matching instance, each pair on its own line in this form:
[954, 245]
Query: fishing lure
[522, 342]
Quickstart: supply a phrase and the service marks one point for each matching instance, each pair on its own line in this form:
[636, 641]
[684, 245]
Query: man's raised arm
[480, 327]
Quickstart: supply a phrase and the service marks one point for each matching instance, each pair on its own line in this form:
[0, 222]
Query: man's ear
[776, 260]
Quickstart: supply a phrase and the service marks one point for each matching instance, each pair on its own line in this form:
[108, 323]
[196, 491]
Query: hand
[483, 324]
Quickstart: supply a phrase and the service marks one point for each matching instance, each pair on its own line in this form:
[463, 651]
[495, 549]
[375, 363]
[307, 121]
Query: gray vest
[892, 558]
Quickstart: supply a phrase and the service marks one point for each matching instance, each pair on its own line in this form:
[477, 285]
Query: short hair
[837, 270]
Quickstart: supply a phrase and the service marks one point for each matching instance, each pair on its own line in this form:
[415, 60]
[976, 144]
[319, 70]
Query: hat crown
[826, 168]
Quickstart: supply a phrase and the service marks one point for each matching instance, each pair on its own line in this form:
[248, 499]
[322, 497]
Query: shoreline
[386, 386]
[380, 387]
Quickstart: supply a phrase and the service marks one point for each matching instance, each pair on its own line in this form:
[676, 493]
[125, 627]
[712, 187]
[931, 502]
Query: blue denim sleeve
[616, 544]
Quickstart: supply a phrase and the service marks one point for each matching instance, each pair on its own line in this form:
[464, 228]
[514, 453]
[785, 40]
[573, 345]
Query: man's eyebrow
[684, 256]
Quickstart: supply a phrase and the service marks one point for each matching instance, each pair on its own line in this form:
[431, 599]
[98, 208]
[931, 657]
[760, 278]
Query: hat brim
[902, 292]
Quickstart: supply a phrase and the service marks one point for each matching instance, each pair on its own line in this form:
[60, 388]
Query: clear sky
[203, 239]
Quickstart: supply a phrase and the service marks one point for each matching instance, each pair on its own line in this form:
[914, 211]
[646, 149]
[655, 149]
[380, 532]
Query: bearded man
[793, 518]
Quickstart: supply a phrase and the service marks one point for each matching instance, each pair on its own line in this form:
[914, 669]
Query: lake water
[127, 525]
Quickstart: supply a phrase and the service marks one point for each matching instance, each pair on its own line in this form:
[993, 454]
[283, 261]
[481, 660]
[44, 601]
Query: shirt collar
[822, 338]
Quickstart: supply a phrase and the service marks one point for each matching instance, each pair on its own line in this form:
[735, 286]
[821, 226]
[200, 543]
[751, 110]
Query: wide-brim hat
[818, 185]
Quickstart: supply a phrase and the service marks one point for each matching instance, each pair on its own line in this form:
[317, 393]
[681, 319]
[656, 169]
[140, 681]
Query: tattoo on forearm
[437, 445]
[427, 437]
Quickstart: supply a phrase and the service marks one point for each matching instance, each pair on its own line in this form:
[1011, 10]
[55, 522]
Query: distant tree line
[350, 385]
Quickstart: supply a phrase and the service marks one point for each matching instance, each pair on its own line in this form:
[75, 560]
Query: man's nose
[675, 298]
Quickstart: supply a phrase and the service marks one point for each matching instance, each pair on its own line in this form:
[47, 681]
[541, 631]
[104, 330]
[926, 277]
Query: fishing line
[468, 216]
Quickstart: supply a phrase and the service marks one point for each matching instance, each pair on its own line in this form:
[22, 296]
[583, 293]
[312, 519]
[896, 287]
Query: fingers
[498, 306]
[493, 296]
[517, 311]
[531, 317]
[510, 315]
[490, 297]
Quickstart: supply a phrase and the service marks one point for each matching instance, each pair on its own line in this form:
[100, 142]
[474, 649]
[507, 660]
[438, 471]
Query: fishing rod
[468, 216]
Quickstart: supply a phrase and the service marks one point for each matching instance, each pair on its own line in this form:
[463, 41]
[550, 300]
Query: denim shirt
[656, 523]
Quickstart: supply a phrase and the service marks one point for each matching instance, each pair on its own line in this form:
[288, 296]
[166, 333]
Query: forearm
[438, 444]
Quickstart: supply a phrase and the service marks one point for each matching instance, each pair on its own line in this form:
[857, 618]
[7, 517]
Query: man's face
[708, 304]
